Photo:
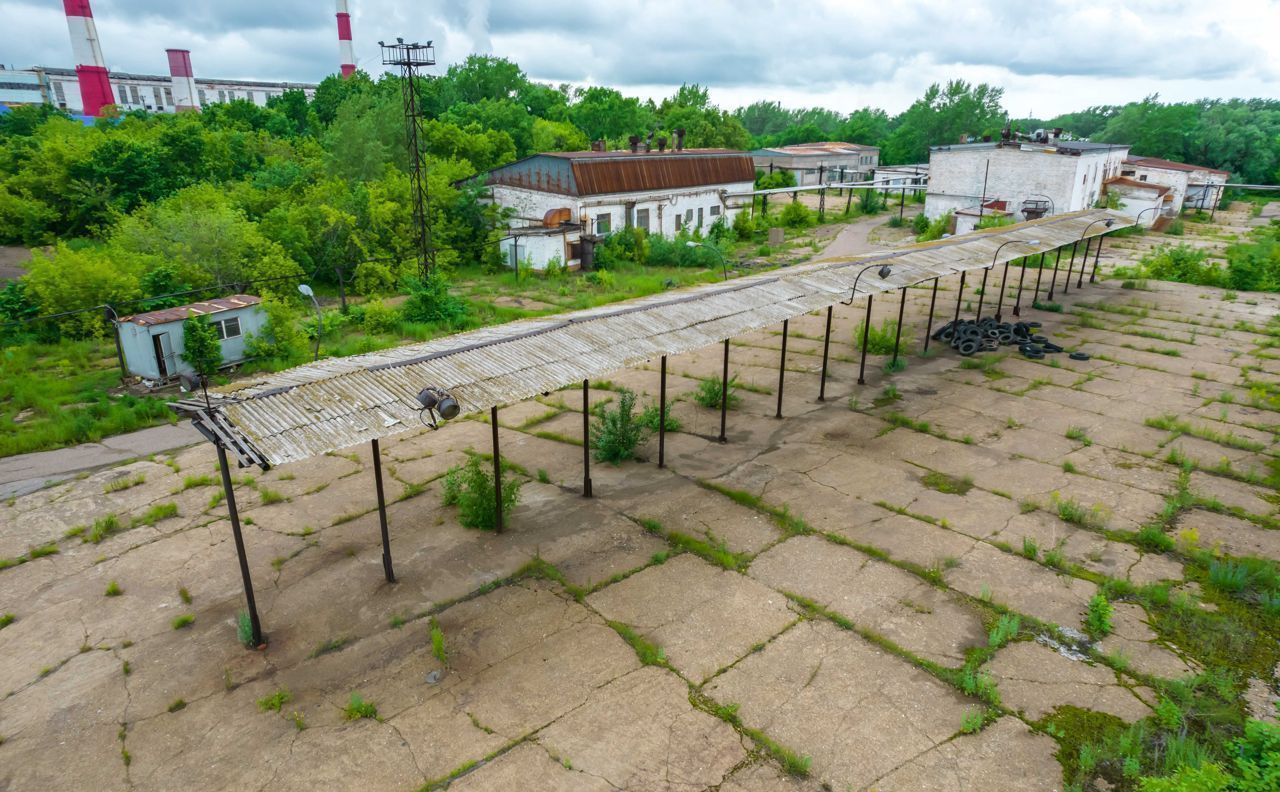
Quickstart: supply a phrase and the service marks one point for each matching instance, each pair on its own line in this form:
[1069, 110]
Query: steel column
[1017, 302]
[239, 540]
[586, 439]
[1004, 282]
[1053, 283]
[1040, 273]
[782, 367]
[866, 329]
[826, 349]
[662, 415]
[928, 329]
[497, 469]
[724, 392]
[960, 295]
[897, 339]
[1066, 284]
[382, 513]
[1093, 275]
[982, 292]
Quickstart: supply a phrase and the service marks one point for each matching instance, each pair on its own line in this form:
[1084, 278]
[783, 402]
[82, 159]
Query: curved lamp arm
[884, 272]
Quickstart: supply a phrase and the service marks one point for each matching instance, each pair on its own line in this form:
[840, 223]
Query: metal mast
[411, 58]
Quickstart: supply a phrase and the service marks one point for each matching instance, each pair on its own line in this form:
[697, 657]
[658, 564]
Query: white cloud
[1051, 56]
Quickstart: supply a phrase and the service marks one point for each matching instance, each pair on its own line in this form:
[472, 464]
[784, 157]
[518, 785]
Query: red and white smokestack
[346, 52]
[184, 80]
[91, 67]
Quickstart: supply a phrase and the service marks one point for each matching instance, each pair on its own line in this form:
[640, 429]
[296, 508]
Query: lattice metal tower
[411, 58]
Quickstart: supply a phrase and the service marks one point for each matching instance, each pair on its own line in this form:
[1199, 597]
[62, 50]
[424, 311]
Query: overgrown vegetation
[471, 488]
[618, 431]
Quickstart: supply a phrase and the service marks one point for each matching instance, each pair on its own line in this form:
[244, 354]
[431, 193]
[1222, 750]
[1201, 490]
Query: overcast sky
[1049, 56]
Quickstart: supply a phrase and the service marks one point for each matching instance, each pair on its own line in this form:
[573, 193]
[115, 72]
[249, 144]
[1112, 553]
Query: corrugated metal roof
[1164, 164]
[817, 149]
[603, 172]
[332, 404]
[182, 312]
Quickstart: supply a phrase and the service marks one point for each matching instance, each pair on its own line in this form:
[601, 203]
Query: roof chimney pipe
[91, 67]
[662, 144]
[634, 140]
[346, 51]
[184, 81]
[597, 145]
[680, 139]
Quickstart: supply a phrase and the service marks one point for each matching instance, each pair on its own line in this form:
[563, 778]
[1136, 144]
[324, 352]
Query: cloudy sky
[1049, 56]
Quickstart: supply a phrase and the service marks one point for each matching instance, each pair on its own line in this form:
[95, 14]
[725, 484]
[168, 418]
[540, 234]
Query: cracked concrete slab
[1035, 679]
[1004, 757]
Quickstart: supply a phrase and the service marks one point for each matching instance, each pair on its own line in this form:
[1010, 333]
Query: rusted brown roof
[1164, 164]
[181, 312]
[581, 173]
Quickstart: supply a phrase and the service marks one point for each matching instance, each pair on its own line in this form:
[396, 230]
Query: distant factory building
[820, 163]
[60, 88]
[1029, 178]
[152, 341]
[563, 203]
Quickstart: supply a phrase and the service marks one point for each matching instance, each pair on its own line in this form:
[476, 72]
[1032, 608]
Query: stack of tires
[969, 337]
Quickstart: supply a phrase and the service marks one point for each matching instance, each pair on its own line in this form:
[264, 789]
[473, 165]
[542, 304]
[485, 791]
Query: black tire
[1078, 356]
[967, 347]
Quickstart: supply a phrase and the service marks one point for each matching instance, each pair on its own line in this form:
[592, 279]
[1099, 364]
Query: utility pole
[411, 58]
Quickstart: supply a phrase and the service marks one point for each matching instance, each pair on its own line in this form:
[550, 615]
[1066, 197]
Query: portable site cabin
[152, 341]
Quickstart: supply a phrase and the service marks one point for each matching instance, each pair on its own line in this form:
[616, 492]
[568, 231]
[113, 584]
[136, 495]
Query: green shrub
[275, 701]
[879, 339]
[871, 202]
[920, 224]
[378, 317]
[649, 419]
[1228, 575]
[374, 279]
[358, 708]
[1097, 621]
[1176, 228]
[1004, 631]
[184, 620]
[113, 589]
[710, 391]
[470, 487]
[438, 649]
[796, 215]
[896, 222]
[934, 229]
[743, 226]
[617, 433]
[430, 301]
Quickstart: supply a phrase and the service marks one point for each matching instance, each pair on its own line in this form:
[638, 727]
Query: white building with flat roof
[1031, 179]
[820, 163]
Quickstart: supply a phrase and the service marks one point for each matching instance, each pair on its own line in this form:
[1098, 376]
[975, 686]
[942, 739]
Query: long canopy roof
[332, 404]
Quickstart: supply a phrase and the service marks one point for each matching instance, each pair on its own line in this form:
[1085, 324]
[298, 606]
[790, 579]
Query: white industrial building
[820, 163]
[562, 203]
[60, 87]
[1189, 185]
[1030, 179]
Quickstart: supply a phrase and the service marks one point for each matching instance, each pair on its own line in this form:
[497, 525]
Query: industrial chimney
[184, 81]
[346, 52]
[680, 139]
[91, 67]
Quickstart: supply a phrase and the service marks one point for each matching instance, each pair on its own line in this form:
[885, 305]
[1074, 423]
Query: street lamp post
[883, 272]
[1004, 279]
[1138, 220]
[724, 266]
[306, 291]
[1108, 222]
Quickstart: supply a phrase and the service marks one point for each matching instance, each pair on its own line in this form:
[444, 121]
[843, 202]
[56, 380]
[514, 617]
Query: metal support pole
[1097, 254]
[1017, 302]
[782, 367]
[897, 339]
[1040, 273]
[866, 329]
[1066, 284]
[1004, 281]
[960, 295]
[239, 539]
[662, 415]
[382, 514]
[933, 300]
[1054, 281]
[497, 469]
[586, 439]
[848, 202]
[982, 292]
[724, 392]
[826, 348]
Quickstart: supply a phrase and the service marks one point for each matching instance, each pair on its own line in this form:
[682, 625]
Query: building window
[688, 216]
[168, 95]
[602, 223]
[124, 98]
[1143, 177]
[222, 95]
[715, 211]
[642, 219]
[133, 92]
[699, 217]
[60, 92]
[203, 98]
[227, 328]
[156, 93]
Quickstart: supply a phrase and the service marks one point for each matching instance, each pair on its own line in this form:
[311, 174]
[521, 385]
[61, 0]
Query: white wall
[1016, 174]
[1175, 180]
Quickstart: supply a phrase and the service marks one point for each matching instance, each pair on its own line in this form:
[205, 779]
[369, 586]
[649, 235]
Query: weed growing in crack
[438, 649]
[275, 701]
[357, 708]
[184, 620]
[1097, 621]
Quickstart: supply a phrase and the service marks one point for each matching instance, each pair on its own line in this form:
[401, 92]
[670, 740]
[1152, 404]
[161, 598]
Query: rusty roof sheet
[182, 312]
[332, 404]
[580, 173]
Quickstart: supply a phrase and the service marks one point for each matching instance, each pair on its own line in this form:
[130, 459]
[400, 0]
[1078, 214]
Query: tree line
[145, 204]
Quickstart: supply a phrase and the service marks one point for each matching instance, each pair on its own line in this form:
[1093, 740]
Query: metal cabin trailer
[152, 341]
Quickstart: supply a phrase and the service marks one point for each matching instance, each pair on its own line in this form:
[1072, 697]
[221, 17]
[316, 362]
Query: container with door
[152, 341]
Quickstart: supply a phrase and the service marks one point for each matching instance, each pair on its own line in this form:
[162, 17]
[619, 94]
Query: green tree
[201, 349]
[943, 115]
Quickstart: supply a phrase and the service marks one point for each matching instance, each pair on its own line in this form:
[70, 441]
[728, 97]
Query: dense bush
[470, 487]
[618, 431]
[934, 229]
[796, 215]
[430, 301]
[743, 226]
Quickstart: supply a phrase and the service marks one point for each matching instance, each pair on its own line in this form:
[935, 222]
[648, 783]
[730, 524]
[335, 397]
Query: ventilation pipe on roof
[648, 143]
[680, 139]
[662, 144]
[597, 145]
[634, 140]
